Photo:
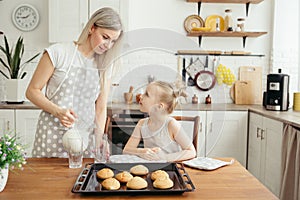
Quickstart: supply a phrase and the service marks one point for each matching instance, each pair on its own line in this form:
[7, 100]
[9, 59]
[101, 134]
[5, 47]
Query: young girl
[163, 136]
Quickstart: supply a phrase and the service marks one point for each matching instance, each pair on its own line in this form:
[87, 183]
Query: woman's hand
[66, 117]
[150, 153]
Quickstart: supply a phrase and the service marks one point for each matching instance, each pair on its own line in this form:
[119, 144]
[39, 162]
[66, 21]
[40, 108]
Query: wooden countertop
[50, 178]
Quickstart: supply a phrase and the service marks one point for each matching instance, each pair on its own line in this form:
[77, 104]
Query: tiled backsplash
[136, 67]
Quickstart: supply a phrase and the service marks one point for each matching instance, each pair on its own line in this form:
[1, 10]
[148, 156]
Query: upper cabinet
[67, 18]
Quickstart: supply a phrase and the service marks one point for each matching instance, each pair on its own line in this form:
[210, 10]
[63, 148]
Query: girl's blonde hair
[170, 93]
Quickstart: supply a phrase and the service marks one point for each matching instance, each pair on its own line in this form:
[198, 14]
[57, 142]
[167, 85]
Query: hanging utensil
[205, 80]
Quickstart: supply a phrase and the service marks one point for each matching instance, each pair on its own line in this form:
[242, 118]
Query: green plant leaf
[6, 66]
[4, 75]
[17, 56]
[14, 57]
[23, 75]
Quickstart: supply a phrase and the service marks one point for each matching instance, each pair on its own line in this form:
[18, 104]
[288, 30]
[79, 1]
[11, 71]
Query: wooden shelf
[226, 1]
[215, 53]
[244, 35]
[225, 34]
[246, 2]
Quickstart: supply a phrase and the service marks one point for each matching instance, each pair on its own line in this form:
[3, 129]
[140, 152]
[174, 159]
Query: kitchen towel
[206, 163]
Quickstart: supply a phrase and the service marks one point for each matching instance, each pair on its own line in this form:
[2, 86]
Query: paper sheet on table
[124, 158]
[206, 163]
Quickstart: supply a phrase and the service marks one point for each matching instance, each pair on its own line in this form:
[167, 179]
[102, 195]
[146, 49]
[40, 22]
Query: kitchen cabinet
[226, 134]
[26, 123]
[7, 121]
[264, 150]
[22, 122]
[243, 35]
[221, 133]
[67, 18]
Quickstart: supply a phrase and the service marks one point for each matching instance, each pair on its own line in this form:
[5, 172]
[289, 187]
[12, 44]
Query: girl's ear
[161, 106]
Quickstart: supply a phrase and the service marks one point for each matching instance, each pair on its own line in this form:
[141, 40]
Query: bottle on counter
[195, 99]
[228, 20]
[208, 99]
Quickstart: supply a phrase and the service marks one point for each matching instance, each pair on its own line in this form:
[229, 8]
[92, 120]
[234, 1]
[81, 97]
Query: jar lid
[228, 10]
[241, 19]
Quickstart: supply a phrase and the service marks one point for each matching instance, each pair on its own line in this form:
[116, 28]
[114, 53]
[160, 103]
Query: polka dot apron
[79, 91]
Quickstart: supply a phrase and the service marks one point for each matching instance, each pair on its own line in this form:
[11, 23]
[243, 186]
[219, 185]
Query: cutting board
[253, 74]
[243, 92]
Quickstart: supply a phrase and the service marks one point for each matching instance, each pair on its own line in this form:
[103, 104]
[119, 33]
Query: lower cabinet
[26, 123]
[221, 133]
[22, 122]
[7, 121]
[264, 150]
[226, 134]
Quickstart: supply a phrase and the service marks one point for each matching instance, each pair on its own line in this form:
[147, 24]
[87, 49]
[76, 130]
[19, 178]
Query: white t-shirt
[62, 55]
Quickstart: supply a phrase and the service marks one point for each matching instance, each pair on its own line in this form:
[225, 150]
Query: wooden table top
[51, 178]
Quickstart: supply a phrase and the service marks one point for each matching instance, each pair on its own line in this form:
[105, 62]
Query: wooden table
[50, 178]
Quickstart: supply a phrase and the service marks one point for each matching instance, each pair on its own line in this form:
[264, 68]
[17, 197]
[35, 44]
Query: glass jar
[240, 24]
[228, 20]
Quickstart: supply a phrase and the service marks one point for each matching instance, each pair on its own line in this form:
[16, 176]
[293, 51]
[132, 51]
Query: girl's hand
[66, 117]
[150, 154]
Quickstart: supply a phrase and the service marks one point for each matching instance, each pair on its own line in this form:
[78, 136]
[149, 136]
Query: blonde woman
[163, 136]
[77, 80]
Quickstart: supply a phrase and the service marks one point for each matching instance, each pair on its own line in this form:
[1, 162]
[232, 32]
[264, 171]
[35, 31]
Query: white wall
[35, 41]
[169, 15]
[285, 46]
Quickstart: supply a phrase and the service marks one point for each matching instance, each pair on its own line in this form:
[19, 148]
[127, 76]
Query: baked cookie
[139, 170]
[123, 177]
[105, 173]
[163, 183]
[137, 183]
[111, 184]
[159, 174]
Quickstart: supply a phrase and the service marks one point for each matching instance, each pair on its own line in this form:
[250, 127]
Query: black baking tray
[88, 183]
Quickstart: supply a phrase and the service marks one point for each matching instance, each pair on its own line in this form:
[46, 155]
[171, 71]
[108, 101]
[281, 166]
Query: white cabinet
[264, 150]
[226, 134]
[21, 122]
[7, 121]
[66, 19]
[221, 133]
[26, 123]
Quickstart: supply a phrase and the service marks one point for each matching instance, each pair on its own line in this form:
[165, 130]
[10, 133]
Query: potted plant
[12, 156]
[13, 70]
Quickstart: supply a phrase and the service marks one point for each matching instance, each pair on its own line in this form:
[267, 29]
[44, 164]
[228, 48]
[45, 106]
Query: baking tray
[88, 183]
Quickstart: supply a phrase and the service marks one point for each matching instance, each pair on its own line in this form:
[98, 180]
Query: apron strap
[68, 70]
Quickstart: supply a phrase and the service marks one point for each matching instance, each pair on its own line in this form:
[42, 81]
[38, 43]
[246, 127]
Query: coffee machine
[277, 95]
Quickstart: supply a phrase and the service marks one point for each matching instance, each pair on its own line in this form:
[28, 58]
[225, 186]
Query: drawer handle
[262, 134]
[8, 126]
[258, 130]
